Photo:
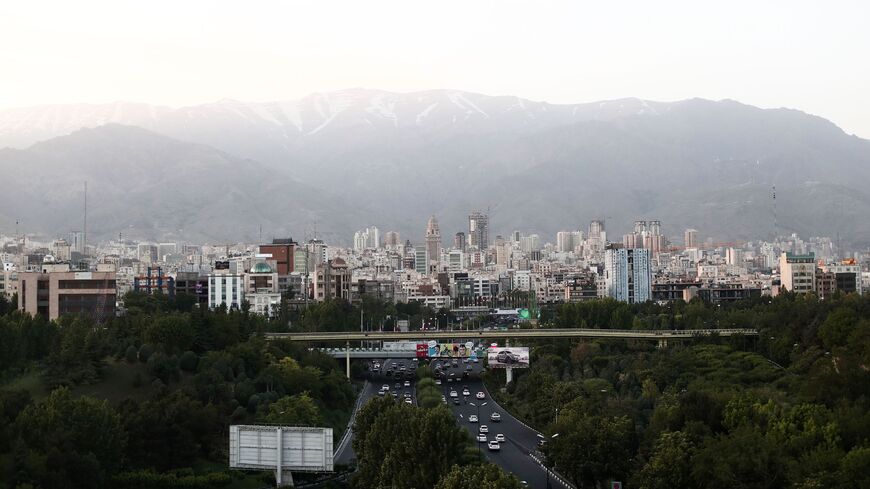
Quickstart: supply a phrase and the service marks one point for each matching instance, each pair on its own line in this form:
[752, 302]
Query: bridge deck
[511, 333]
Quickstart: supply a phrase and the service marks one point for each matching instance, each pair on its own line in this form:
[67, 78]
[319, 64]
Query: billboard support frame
[263, 447]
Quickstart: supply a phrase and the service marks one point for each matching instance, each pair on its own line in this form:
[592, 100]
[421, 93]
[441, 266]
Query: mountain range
[348, 159]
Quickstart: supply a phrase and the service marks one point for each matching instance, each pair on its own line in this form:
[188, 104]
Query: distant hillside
[397, 158]
[150, 186]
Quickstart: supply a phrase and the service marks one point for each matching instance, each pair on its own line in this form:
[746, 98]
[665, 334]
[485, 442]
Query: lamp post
[478, 424]
[547, 470]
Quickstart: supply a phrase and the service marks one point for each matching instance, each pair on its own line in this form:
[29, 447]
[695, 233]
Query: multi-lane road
[518, 453]
[344, 453]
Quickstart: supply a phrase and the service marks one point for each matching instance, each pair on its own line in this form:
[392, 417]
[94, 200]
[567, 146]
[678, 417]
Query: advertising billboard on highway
[290, 448]
[508, 356]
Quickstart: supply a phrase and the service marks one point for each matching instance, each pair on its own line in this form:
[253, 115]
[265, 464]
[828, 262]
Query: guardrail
[512, 333]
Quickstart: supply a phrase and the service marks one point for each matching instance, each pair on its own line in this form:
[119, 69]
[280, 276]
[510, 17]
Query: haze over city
[452, 245]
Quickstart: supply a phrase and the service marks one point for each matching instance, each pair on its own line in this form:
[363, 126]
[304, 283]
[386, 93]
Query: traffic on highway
[501, 438]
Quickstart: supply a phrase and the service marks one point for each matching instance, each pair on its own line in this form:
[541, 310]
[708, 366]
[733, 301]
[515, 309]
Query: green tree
[592, 449]
[74, 442]
[296, 410]
[484, 476]
[670, 464]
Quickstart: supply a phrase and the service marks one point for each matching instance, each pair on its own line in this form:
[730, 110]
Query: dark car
[507, 356]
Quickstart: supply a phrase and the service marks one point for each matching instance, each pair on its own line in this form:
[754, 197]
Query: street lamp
[547, 470]
[478, 424]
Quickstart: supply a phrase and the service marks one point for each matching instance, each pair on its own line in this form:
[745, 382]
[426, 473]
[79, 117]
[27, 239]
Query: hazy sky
[811, 56]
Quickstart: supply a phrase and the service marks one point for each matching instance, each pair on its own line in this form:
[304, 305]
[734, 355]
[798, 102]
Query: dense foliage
[146, 399]
[790, 408]
[398, 445]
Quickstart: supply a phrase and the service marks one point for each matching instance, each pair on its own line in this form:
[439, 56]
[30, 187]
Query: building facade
[54, 293]
[628, 274]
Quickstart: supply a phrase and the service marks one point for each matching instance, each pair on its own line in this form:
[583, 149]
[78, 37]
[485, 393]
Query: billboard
[281, 448]
[450, 350]
[508, 356]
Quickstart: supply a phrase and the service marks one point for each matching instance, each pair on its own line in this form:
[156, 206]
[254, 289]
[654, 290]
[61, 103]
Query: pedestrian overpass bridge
[660, 336]
[636, 334]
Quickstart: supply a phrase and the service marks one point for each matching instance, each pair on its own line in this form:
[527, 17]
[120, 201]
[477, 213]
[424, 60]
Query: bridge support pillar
[509, 375]
[663, 344]
[347, 356]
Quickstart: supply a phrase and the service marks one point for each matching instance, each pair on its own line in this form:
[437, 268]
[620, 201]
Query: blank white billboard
[290, 448]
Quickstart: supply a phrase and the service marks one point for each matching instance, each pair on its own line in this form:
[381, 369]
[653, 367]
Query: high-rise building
[433, 243]
[530, 243]
[459, 241]
[283, 253]
[164, 249]
[367, 239]
[392, 240]
[690, 238]
[627, 274]
[421, 260]
[798, 272]
[478, 230]
[567, 240]
[596, 229]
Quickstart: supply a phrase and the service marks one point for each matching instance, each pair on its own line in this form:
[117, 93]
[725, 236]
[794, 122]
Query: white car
[437, 381]
[472, 418]
[483, 428]
[407, 383]
[385, 388]
[465, 392]
[494, 446]
[499, 438]
[495, 417]
[481, 438]
[480, 395]
[381, 392]
[453, 394]
[408, 400]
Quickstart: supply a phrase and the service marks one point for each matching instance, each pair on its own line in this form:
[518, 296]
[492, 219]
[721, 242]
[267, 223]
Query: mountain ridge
[540, 167]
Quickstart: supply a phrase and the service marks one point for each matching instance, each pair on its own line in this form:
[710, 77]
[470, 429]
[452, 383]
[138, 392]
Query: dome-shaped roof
[261, 267]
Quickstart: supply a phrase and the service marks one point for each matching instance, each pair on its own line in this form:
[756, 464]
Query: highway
[515, 455]
[520, 440]
[344, 453]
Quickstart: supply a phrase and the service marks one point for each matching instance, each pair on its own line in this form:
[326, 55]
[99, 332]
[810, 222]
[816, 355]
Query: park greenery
[788, 409]
[145, 400]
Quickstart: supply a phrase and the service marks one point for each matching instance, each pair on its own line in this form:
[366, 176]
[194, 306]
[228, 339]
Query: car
[415, 360]
[407, 395]
[395, 395]
[507, 357]
[393, 365]
[465, 392]
[437, 381]
[468, 368]
[499, 437]
[381, 392]
[385, 387]
[402, 368]
[493, 446]
[408, 401]
[454, 364]
[483, 428]
[398, 385]
[465, 360]
[377, 366]
[472, 418]
[449, 379]
[481, 438]
[444, 398]
[495, 417]
[453, 394]
[456, 401]
[480, 395]
[407, 383]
